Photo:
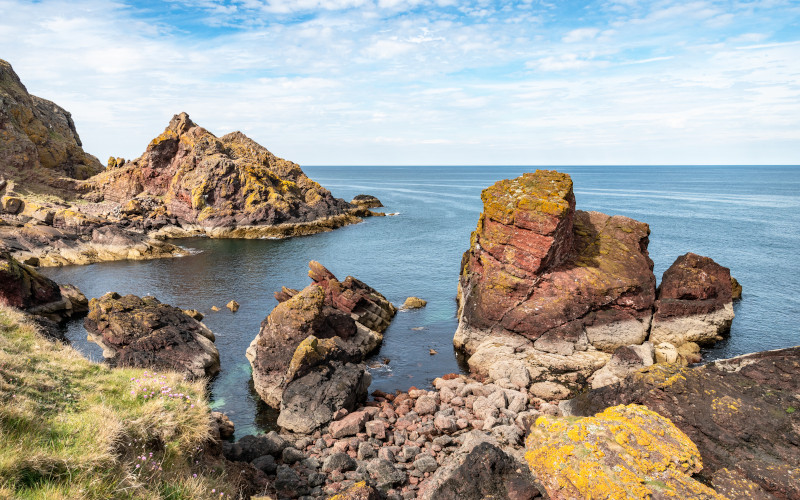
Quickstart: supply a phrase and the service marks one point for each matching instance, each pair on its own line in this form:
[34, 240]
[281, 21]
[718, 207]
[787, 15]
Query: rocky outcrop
[23, 287]
[229, 185]
[39, 146]
[623, 452]
[414, 303]
[309, 348]
[548, 294]
[366, 201]
[695, 302]
[144, 333]
[740, 412]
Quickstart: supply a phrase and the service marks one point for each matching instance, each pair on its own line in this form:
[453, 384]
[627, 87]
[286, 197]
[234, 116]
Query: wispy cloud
[425, 81]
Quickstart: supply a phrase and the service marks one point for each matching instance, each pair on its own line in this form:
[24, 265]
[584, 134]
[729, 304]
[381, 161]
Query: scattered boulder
[144, 333]
[232, 305]
[695, 302]
[740, 412]
[414, 303]
[366, 201]
[623, 452]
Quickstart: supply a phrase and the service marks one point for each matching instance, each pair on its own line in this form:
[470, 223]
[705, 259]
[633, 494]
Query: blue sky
[375, 82]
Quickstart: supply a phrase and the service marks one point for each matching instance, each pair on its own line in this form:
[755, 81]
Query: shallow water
[745, 218]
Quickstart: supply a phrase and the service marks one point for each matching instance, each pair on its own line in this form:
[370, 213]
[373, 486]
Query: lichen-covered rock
[366, 201]
[359, 491]
[221, 182]
[623, 452]
[351, 312]
[21, 286]
[414, 303]
[695, 302]
[144, 333]
[38, 141]
[742, 413]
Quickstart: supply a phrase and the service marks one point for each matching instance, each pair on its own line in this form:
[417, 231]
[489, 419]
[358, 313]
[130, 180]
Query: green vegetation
[70, 428]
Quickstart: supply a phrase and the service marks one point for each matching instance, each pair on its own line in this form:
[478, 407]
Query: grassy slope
[70, 428]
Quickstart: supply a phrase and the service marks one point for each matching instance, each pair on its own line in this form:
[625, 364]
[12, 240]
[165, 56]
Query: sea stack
[548, 293]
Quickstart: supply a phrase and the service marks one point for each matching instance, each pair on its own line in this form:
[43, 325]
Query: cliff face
[217, 182]
[39, 145]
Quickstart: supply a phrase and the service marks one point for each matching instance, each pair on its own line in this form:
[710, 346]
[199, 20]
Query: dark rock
[486, 472]
[741, 413]
[695, 302]
[266, 464]
[385, 474]
[341, 462]
[144, 333]
[224, 424]
[23, 287]
[250, 447]
[292, 455]
[366, 201]
[289, 483]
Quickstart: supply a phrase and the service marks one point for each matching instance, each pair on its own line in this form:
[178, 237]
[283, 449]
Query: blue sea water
[745, 218]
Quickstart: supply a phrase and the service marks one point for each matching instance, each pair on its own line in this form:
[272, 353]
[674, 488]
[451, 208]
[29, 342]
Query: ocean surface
[745, 218]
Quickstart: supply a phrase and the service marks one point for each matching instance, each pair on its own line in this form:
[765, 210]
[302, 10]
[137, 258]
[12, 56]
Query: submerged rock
[740, 412]
[309, 350]
[623, 452]
[144, 333]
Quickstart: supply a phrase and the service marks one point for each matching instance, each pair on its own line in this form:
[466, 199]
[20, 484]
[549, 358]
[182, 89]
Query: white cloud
[580, 35]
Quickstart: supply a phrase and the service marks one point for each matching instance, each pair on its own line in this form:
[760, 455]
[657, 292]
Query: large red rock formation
[227, 181]
[548, 293]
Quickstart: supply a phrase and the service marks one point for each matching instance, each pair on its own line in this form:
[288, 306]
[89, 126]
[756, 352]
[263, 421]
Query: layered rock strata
[39, 145]
[742, 413]
[229, 186]
[21, 286]
[548, 294]
[309, 350]
[144, 333]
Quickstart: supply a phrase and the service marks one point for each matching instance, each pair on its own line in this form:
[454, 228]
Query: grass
[70, 428]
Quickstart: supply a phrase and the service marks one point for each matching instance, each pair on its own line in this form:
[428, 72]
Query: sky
[425, 82]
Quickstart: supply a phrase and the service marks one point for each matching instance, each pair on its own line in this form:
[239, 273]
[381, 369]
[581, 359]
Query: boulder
[695, 302]
[349, 310]
[366, 201]
[484, 472]
[232, 305]
[23, 287]
[414, 303]
[623, 452]
[144, 333]
[740, 412]
[624, 361]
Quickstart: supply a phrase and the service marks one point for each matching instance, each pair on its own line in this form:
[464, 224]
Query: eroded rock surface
[742, 413]
[144, 333]
[309, 350]
[548, 294]
[623, 452]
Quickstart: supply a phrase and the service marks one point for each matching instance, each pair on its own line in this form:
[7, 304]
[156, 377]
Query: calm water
[745, 218]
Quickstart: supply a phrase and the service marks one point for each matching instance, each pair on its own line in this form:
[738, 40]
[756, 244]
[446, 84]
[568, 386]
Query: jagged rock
[23, 287]
[224, 424]
[736, 289]
[414, 303]
[222, 182]
[144, 333]
[695, 302]
[623, 452]
[232, 305]
[38, 141]
[741, 413]
[349, 310]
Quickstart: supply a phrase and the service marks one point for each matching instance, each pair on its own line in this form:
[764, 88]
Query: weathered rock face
[695, 302]
[308, 350]
[741, 414]
[366, 201]
[623, 452]
[24, 288]
[144, 333]
[548, 293]
[213, 182]
[39, 145]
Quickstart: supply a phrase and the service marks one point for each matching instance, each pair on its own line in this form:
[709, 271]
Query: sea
[746, 218]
